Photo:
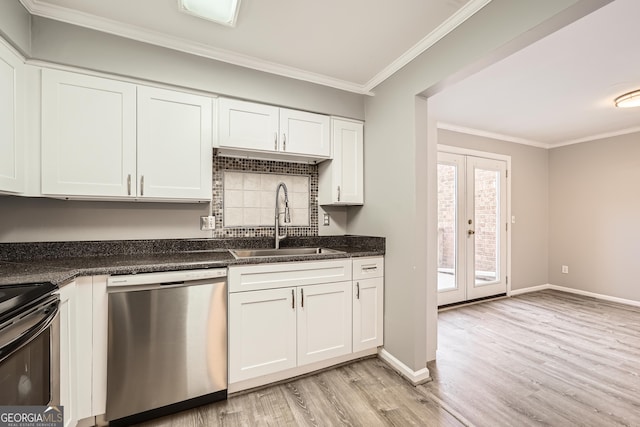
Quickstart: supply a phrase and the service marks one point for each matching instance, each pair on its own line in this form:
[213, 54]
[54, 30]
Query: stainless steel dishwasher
[167, 345]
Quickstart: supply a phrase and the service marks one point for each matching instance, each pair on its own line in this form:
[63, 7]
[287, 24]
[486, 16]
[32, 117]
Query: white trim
[515, 292]
[74, 17]
[414, 377]
[595, 295]
[538, 144]
[493, 156]
[492, 135]
[12, 49]
[597, 137]
[432, 38]
[133, 32]
[603, 297]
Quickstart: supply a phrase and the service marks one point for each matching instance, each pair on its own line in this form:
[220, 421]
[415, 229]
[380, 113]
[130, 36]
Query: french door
[472, 227]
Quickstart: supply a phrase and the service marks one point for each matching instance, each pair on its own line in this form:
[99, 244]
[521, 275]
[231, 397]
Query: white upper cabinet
[11, 121]
[107, 139]
[341, 179]
[305, 133]
[255, 130]
[174, 144]
[88, 136]
[245, 125]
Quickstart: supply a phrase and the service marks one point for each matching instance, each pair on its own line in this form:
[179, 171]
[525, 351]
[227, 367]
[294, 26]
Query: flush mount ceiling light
[631, 99]
[223, 12]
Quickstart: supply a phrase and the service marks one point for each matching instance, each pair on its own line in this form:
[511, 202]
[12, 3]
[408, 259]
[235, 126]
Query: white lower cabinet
[368, 302]
[324, 322]
[276, 329]
[262, 333]
[83, 381]
[368, 297]
[68, 354]
[286, 319]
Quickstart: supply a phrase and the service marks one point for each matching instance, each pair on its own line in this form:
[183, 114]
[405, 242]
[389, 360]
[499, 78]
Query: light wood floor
[541, 359]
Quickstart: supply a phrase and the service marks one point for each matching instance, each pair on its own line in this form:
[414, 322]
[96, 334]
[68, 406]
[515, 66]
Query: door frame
[493, 156]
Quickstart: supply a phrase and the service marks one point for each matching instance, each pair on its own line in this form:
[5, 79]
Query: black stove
[16, 298]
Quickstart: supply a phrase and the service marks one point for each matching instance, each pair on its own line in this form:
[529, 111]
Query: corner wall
[396, 158]
[594, 216]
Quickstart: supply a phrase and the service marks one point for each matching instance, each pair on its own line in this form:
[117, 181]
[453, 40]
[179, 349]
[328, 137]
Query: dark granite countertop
[60, 262]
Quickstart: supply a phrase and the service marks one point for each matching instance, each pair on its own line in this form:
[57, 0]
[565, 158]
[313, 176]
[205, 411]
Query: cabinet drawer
[270, 276]
[364, 268]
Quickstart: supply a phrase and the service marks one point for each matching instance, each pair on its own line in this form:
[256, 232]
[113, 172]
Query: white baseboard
[414, 377]
[577, 292]
[515, 292]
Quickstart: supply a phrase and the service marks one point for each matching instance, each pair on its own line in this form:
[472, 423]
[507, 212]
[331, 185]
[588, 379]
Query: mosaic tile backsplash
[249, 199]
[244, 196]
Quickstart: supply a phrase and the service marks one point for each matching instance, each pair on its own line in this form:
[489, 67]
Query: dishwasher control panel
[169, 277]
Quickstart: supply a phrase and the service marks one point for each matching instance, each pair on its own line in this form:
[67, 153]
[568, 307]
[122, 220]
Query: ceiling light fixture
[631, 99]
[223, 12]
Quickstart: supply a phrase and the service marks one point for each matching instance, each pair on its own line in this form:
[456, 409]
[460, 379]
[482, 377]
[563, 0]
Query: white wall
[77, 46]
[395, 161]
[27, 219]
[530, 204]
[15, 25]
[594, 216]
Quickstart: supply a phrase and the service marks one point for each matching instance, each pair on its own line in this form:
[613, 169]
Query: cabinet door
[368, 297]
[174, 145]
[262, 333]
[11, 122]
[341, 179]
[84, 346]
[68, 353]
[247, 125]
[88, 136]
[324, 321]
[304, 133]
[100, 325]
[348, 171]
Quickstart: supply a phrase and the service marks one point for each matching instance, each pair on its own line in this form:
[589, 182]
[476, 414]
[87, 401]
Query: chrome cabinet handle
[302, 298]
[284, 142]
[129, 185]
[358, 290]
[293, 299]
[275, 141]
[142, 185]
[338, 193]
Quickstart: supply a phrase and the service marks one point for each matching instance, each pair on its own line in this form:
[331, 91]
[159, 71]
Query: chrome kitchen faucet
[287, 215]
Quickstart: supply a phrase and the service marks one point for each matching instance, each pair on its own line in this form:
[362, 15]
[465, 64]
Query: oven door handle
[27, 327]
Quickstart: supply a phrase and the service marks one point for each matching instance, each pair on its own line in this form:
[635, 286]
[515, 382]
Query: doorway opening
[473, 229]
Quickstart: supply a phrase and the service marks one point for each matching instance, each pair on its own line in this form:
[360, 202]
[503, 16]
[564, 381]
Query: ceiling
[554, 92]
[557, 91]
[352, 45]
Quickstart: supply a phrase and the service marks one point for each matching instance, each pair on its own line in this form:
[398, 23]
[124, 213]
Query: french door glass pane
[487, 230]
[447, 204]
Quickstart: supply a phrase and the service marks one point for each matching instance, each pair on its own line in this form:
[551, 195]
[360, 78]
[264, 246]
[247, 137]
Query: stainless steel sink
[264, 253]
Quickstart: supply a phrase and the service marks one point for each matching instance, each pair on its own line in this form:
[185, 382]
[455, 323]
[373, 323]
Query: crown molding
[598, 136]
[133, 32]
[70, 16]
[548, 146]
[492, 135]
[464, 13]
